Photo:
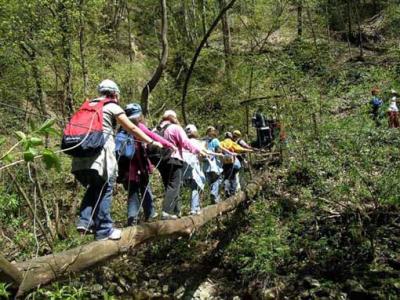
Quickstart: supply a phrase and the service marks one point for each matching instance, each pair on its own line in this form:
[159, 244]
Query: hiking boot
[152, 217]
[132, 221]
[84, 230]
[114, 235]
[167, 216]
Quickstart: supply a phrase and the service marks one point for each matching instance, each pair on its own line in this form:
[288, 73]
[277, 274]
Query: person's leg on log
[214, 180]
[147, 198]
[93, 183]
[172, 176]
[195, 197]
[103, 220]
[133, 203]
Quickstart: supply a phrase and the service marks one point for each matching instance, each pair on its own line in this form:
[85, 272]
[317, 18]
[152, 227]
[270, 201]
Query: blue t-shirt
[213, 145]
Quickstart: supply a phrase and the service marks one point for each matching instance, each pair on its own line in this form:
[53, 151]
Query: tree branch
[197, 54]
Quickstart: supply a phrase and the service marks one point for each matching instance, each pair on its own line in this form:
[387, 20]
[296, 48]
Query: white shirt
[393, 105]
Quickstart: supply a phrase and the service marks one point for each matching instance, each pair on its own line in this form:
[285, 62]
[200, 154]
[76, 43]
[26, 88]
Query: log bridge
[27, 275]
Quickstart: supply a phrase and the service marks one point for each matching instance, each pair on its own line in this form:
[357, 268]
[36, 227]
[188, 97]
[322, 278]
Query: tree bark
[9, 273]
[196, 56]
[66, 42]
[42, 270]
[226, 37]
[299, 19]
[40, 97]
[151, 84]
[82, 24]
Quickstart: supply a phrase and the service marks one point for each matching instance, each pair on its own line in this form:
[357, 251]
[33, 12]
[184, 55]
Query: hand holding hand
[157, 144]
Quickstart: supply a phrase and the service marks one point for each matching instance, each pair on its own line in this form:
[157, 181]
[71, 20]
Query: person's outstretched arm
[135, 131]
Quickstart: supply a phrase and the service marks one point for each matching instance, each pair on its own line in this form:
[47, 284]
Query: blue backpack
[124, 145]
[376, 102]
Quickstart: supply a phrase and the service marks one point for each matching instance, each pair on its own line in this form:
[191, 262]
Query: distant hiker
[171, 169]
[393, 111]
[137, 169]
[263, 130]
[237, 138]
[376, 104]
[231, 164]
[212, 165]
[193, 174]
[98, 172]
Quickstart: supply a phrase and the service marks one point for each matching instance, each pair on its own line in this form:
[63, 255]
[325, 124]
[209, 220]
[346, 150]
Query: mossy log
[42, 270]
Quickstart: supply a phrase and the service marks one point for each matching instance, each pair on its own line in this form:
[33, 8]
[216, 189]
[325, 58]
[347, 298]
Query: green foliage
[31, 145]
[59, 292]
[260, 251]
[9, 206]
[3, 291]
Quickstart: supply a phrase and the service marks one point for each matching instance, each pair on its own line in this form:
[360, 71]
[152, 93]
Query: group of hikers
[377, 110]
[101, 157]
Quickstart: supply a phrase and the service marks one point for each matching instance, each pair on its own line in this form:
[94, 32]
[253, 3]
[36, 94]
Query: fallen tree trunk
[9, 273]
[43, 270]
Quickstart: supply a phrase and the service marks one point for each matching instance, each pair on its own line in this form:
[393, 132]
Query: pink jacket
[177, 136]
[140, 165]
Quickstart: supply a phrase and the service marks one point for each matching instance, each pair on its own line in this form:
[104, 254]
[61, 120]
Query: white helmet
[108, 86]
[190, 129]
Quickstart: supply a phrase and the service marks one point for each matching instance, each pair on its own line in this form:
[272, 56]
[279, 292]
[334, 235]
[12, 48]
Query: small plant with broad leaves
[4, 294]
[33, 146]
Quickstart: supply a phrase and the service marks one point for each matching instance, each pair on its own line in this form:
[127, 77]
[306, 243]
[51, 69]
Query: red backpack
[83, 135]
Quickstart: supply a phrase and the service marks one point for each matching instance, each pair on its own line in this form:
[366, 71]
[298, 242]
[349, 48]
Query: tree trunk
[226, 36]
[203, 16]
[151, 84]
[40, 97]
[9, 273]
[85, 75]
[66, 42]
[299, 19]
[360, 39]
[196, 56]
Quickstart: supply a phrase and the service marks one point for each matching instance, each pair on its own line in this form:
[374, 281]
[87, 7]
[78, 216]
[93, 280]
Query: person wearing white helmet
[393, 111]
[172, 168]
[193, 175]
[98, 173]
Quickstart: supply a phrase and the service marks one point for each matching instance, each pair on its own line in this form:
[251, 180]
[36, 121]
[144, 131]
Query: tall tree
[155, 78]
[197, 54]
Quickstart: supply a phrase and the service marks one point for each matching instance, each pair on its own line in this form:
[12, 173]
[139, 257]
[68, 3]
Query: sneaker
[167, 216]
[84, 230]
[195, 212]
[115, 235]
[152, 217]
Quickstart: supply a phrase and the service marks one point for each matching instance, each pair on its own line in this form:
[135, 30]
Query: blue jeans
[138, 194]
[96, 204]
[230, 179]
[214, 180]
[195, 199]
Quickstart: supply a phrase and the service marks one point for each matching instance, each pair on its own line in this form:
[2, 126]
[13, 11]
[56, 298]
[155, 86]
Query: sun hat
[237, 133]
[169, 113]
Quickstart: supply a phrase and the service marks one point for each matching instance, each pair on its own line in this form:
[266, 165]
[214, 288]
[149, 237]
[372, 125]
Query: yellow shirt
[232, 146]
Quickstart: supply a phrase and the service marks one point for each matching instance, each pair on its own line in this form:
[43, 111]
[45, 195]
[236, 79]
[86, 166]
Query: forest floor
[342, 253]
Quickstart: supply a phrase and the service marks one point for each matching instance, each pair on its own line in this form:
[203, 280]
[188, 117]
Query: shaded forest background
[328, 225]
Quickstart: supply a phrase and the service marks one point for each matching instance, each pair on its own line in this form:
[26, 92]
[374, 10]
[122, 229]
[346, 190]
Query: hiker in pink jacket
[171, 170]
[135, 173]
